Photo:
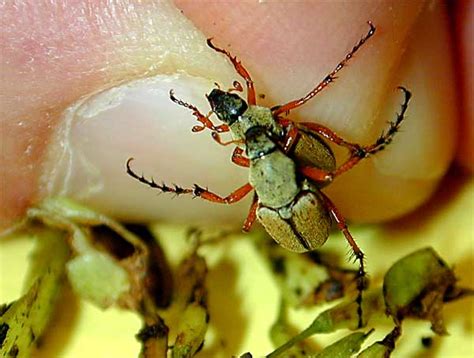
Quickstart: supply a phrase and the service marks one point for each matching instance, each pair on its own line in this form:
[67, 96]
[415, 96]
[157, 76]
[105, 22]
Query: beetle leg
[358, 152]
[197, 191]
[252, 215]
[327, 80]
[361, 152]
[291, 134]
[316, 174]
[240, 70]
[329, 134]
[236, 87]
[239, 159]
[323, 131]
[233, 197]
[205, 121]
[152, 184]
[359, 255]
[394, 126]
[218, 139]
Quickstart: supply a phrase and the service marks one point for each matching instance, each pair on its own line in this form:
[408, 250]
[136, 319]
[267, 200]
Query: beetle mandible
[289, 163]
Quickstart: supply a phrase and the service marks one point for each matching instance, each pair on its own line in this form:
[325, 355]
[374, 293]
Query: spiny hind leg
[361, 152]
[356, 251]
[357, 152]
[196, 191]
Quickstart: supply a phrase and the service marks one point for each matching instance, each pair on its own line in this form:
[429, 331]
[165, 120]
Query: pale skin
[48, 63]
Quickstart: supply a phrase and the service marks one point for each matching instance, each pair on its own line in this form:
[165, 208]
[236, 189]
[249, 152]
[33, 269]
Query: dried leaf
[24, 321]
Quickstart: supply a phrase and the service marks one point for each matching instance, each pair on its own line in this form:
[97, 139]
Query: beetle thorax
[274, 180]
[256, 116]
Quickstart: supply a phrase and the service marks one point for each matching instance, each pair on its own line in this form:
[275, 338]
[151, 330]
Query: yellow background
[244, 300]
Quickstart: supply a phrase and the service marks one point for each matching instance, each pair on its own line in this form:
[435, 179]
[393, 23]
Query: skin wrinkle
[34, 43]
[45, 49]
[97, 59]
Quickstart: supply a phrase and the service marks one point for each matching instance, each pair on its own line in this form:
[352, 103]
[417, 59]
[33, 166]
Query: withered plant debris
[416, 286]
[110, 264]
[23, 322]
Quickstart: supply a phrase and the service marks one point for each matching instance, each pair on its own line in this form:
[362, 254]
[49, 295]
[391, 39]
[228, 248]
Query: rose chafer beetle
[289, 163]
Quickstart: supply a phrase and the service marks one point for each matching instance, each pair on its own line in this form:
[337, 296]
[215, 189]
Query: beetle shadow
[61, 327]
[225, 308]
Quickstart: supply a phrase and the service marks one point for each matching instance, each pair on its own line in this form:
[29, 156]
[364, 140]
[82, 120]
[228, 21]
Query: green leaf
[345, 347]
[415, 287]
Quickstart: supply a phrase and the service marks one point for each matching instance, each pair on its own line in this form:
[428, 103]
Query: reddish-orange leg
[330, 135]
[236, 87]
[232, 198]
[252, 215]
[357, 151]
[358, 254]
[327, 80]
[205, 121]
[200, 192]
[240, 70]
[219, 140]
[291, 135]
[239, 159]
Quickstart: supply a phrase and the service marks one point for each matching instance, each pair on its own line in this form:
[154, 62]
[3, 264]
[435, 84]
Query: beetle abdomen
[307, 227]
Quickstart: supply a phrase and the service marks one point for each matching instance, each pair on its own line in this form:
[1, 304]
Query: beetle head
[227, 106]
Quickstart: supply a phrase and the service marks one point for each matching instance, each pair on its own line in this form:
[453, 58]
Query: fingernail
[99, 134]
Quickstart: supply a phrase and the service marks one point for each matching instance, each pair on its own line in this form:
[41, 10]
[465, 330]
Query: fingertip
[272, 41]
[66, 56]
